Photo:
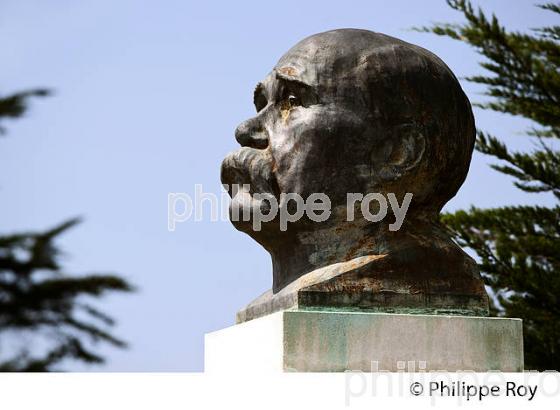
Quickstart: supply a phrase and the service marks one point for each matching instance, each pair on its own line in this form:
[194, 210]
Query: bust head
[351, 111]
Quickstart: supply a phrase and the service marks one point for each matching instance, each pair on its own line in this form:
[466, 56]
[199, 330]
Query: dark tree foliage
[518, 246]
[38, 300]
[14, 105]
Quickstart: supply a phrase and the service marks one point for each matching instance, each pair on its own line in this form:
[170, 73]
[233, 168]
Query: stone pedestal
[325, 341]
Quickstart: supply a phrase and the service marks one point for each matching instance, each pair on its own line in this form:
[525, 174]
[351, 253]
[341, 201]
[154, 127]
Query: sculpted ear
[402, 152]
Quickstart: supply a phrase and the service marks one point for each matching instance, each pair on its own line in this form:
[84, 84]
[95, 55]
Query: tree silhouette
[518, 246]
[39, 300]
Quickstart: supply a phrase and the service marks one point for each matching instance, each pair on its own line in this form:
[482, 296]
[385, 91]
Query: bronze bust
[354, 111]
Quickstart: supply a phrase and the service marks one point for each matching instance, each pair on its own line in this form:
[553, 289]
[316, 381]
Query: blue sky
[147, 97]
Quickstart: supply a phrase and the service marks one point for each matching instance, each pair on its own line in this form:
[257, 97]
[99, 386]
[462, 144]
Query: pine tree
[518, 246]
[39, 302]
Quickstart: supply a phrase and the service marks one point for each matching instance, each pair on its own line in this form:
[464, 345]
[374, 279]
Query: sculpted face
[352, 111]
[357, 112]
[302, 136]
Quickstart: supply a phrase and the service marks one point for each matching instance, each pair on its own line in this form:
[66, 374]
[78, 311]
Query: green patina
[474, 312]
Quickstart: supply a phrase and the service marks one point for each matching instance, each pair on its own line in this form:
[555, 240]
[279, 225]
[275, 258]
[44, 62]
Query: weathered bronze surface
[353, 111]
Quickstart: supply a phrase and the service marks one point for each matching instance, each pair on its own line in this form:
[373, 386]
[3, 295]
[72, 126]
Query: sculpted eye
[290, 101]
[294, 94]
[287, 103]
[293, 101]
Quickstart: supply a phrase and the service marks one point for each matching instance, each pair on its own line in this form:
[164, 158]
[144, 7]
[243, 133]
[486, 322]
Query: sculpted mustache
[250, 166]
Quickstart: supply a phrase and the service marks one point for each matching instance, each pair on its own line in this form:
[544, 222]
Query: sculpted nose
[250, 133]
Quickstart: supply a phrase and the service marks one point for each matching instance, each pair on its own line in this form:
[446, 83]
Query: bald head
[349, 113]
[413, 106]
[353, 111]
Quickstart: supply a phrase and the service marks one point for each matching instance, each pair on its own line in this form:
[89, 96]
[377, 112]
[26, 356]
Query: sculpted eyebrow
[291, 80]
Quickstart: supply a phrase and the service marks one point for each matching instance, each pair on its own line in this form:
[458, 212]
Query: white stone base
[324, 341]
